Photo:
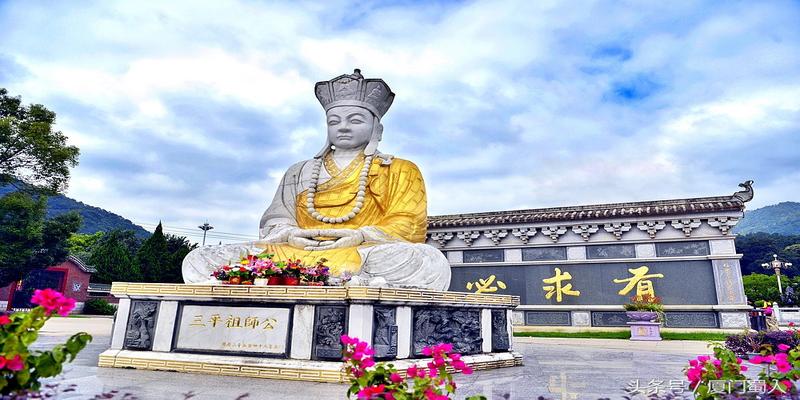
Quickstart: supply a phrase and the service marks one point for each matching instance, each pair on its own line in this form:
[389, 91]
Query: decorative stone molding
[733, 320]
[722, 247]
[581, 318]
[585, 230]
[645, 250]
[441, 238]
[651, 227]
[617, 228]
[686, 225]
[523, 234]
[468, 236]
[724, 224]
[553, 232]
[576, 253]
[496, 235]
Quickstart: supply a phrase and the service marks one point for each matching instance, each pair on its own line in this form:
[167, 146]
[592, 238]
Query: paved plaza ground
[554, 367]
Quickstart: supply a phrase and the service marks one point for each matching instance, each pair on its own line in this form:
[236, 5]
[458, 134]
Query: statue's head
[354, 107]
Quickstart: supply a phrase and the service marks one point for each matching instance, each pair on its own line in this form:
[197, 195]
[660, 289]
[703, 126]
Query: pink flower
[412, 371]
[4, 320]
[787, 383]
[15, 364]
[432, 370]
[756, 359]
[395, 377]
[427, 351]
[3, 362]
[369, 392]
[53, 301]
[693, 363]
[743, 368]
[455, 356]
[784, 347]
[459, 365]
[717, 363]
[783, 367]
[703, 359]
[791, 324]
[367, 362]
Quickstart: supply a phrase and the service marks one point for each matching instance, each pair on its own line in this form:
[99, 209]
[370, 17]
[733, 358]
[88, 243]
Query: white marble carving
[234, 329]
[585, 230]
[165, 326]
[495, 235]
[617, 228]
[441, 238]
[724, 224]
[733, 320]
[517, 318]
[651, 227]
[722, 247]
[645, 250]
[403, 321]
[455, 256]
[576, 253]
[513, 255]
[524, 234]
[468, 236]
[554, 232]
[581, 318]
[686, 225]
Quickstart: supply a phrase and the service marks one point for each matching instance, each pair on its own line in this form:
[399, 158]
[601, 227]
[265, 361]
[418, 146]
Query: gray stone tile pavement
[555, 368]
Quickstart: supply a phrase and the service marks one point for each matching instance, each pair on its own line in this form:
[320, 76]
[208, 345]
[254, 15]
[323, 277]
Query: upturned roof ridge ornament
[746, 194]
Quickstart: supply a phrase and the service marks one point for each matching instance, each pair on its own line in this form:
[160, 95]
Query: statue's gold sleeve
[406, 212]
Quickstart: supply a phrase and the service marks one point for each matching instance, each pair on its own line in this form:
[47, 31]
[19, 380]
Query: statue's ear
[377, 135]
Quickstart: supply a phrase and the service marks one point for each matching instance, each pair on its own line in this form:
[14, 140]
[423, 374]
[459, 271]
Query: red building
[70, 277]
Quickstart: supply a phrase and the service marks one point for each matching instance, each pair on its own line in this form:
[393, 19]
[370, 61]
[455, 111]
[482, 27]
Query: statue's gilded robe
[393, 221]
[394, 207]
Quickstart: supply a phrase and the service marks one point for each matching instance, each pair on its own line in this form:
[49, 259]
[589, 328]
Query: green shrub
[99, 307]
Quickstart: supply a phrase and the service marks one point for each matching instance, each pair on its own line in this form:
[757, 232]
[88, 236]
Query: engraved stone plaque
[609, 318]
[682, 249]
[233, 329]
[611, 251]
[548, 318]
[694, 319]
[141, 325]
[544, 253]
[480, 256]
[329, 326]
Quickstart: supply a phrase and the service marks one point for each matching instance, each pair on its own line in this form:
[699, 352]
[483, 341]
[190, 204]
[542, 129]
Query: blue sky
[187, 111]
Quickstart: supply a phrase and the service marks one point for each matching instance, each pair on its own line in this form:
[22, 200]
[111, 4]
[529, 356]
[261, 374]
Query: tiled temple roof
[657, 208]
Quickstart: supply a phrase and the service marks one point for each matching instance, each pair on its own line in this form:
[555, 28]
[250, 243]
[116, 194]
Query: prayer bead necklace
[362, 190]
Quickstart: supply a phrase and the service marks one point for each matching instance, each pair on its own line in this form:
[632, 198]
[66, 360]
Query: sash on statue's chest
[337, 196]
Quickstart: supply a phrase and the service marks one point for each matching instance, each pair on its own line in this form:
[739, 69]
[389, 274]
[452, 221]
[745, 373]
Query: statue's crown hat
[354, 90]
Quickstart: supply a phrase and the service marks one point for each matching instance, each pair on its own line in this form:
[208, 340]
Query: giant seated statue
[363, 211]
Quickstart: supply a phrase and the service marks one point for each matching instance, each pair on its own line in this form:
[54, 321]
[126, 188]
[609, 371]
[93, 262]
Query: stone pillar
[360, 322]
[302, 331]
[165, 326]
[486, 330]
[120, 324]
[404, 325]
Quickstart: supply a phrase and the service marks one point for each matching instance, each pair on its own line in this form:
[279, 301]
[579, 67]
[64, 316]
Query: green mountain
[94, 219]
[782, 218]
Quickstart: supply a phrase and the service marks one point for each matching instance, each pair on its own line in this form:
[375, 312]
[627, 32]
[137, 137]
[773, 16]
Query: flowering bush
[778, 375]
[369, 380]
[761, 342]
[21, 368]
[316, 274]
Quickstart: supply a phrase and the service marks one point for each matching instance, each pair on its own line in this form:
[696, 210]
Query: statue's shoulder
[401, 164]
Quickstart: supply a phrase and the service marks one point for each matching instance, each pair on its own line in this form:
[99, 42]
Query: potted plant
[292, 272]
[644, 307]
[316, 275]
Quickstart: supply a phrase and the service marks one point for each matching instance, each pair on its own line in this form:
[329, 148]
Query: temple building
[576, 266]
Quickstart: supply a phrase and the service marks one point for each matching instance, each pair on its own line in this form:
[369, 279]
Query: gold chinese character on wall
[640, 280]
[486, 285]
[557, 287]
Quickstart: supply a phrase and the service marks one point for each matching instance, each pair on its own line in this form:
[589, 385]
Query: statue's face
[350, 127]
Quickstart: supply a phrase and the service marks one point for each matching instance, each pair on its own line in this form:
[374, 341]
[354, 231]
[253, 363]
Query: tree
[762, 287]
[30, 150]
[114, 258]
[758, 248]
[81, 245]
[154, 257]
[178, 247]
[27, 240]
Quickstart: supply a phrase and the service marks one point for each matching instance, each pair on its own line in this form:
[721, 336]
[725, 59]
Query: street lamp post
[777, 266]
[205, 227]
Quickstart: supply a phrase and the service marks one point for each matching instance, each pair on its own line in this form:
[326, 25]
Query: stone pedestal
[645, 330]
[293, 332]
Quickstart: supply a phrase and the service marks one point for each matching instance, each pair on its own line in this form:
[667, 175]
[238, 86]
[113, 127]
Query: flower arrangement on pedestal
[645, 307]
[263, 270]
